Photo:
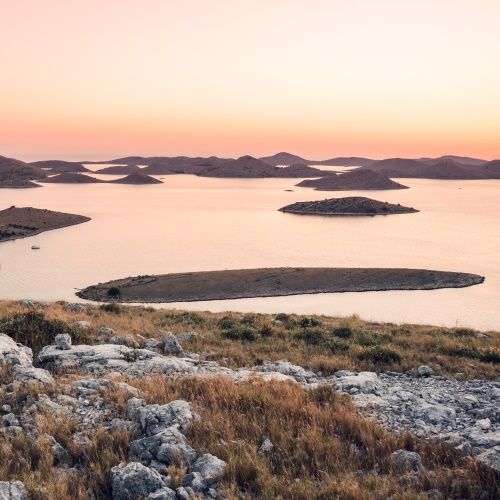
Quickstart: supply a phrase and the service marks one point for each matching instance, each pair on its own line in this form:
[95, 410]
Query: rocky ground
[75, 381]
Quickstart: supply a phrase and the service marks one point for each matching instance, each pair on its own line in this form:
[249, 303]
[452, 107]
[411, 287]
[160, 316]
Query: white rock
[63, 341]
[12, 490]
[134, 480]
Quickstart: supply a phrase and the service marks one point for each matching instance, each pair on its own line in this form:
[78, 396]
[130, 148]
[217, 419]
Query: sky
[90, 79]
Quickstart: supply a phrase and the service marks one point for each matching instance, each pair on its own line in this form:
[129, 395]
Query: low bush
[343, 332]
[380, 356]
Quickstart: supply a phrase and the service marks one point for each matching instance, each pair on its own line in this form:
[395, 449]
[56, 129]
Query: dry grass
[320, 444]
[322, 448]
[321, 343]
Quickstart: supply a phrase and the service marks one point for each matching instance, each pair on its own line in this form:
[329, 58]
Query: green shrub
[248, 319]
[490, 356]
[227, 322]
[380, 356]
[311, 336]
[242, 333]
[307, 322]
[338, 346]
[113, 292]
[34, 330]
[186, 317]
[266, 331]
[283, 317]
[111, 308]
[464, 332]
[343, 332]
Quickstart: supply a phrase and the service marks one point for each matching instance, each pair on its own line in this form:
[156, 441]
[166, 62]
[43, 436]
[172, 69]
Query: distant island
[72, 178]
[137, 178]
[352, 205]
[355, 180]
[16, 173]
[271, 282]
[21, 222]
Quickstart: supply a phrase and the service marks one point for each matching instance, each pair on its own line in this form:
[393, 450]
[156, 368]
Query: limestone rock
[63, 341]
[133, 481]
[171, 345]
[405, 461]
[12, 490]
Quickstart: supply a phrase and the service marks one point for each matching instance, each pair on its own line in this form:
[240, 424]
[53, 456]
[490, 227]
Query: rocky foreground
[74, 381]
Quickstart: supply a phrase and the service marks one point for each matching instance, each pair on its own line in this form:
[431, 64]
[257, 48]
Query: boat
[35, 247]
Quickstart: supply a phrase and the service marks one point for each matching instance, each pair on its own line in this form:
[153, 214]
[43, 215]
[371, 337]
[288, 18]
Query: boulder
[157, 418]
[424, 371]
[284, 367]
[12, 490]
[82, 324]
[163, 448]
[63, 341]
[437, 414]
[13, 353]
[171, 345]
[405, 461]
[364, 382]
[209, 467]
[28, 375]
[266, 446]
[133, 481]
[163, 494]
[490, 458]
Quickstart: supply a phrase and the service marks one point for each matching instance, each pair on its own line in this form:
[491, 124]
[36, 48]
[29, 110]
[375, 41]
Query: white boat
[35, 247]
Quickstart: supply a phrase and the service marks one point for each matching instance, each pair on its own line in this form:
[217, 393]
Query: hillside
[244, 167]
[397, 167]
[119, 170]
[60, 166]
[12, 170]
[355, 180]
[283, 158]
[344, 161]
[451, 169]
[353, 205]
[72, 178]
[17, 222]
[137, 178]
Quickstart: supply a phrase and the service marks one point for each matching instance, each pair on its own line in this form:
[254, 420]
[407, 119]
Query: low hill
[119, 170]
[283, 158]
[397, 167]
[345, 161]
[18, 222]
[463, 160]
[60, 166]
[491, 169]
[355, 180]
[16, 170]
[352, 205]
[300, 170]
[137, 178]
[450, 169]
[244, 167]
[72, 178]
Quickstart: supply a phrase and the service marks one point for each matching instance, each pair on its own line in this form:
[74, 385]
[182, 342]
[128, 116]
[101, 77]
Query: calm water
[191, 223]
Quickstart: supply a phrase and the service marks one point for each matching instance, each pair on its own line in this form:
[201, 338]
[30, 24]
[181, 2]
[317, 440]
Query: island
[72, 178]
[118, 170]
[18, 174]
[360, 179]
[350, 205]
[21, 222]
[137, 178]
[271, 282]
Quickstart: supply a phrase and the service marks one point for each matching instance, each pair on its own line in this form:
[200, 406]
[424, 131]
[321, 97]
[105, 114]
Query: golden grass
[320, 444]
[320, 343]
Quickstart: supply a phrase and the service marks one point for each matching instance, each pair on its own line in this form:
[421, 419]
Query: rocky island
[21, 222]
[72, 178]
[271, 282]
[351, 205]
[359, 179]
[137, 178]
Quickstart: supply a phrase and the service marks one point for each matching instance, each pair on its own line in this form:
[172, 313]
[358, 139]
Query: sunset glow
[321, 78]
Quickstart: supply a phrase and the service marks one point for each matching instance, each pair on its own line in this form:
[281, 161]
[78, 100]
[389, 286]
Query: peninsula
[21, 222]
[271, 282]
[351, 205]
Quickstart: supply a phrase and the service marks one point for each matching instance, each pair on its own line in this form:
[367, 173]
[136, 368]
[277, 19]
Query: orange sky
[104, 78]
